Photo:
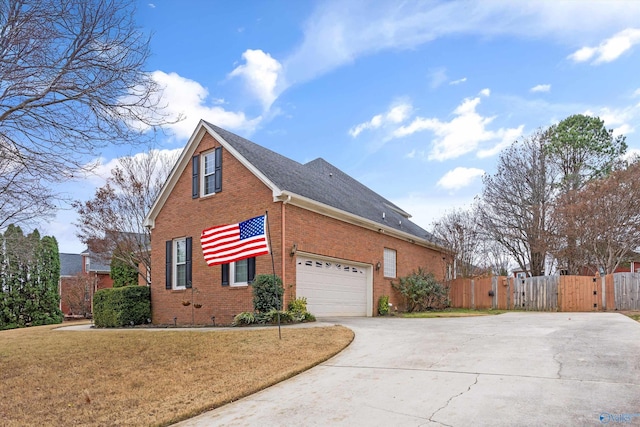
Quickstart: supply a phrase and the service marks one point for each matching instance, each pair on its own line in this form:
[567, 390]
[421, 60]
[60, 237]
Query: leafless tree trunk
[71, 82]
[459, 233]
[516, 203]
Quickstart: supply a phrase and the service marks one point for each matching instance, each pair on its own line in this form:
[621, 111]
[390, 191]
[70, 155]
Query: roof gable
[316, 183]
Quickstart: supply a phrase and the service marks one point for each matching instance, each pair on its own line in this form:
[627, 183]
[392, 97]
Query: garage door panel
[332, 288]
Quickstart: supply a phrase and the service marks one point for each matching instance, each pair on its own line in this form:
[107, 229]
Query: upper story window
[389, 262]
[207, 173]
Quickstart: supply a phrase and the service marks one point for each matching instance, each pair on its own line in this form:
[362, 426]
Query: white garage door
[333, 288]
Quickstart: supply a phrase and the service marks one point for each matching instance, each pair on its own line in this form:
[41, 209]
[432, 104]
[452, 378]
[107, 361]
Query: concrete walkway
[508, 370]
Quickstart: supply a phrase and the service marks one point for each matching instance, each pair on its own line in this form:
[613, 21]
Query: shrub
[267, 293]
[383, 305]
[298, 305]
[244, 318]
[422, 291]
[271, 317]
[123, 274]
[117, 307]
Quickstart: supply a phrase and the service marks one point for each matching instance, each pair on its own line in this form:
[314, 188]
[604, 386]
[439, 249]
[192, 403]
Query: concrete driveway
[512, 369]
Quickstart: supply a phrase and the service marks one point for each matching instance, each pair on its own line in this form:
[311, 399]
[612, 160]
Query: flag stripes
[229, 243]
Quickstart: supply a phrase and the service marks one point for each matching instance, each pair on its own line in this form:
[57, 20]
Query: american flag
[228, 243]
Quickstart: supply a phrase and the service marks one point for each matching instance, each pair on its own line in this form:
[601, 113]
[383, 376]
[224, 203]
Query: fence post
[473, 294]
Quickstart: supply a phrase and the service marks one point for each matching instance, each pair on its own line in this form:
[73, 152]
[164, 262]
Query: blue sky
[415, 99]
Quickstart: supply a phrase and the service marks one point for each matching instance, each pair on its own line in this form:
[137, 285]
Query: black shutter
[169, 262]
[251, 269]
[218, 170]
[225, 274]
[188, 245]
[195, 177]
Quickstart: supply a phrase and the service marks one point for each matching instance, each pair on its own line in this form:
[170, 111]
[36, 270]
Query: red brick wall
[321, 235]
[244, 196]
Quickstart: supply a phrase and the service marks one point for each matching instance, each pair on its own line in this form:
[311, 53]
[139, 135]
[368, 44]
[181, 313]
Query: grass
[146, 377]
[635, 315]
[452, 312]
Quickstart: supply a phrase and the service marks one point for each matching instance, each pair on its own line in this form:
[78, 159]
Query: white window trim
[386, 268]
[232, 276]
[174, 262]
[203, 175]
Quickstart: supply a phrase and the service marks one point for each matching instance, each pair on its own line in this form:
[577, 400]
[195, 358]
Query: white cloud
[632, 154]
[261, 73]
[485, 92]
[618, 119]
[609, 49]
[337, 33]
[637, 92]
[425, 208]
[396, 114]
[462, 134]
[459, 177]
[508, 136]
[188, 99]
[437, 77]
[541, 88]
[457, 82]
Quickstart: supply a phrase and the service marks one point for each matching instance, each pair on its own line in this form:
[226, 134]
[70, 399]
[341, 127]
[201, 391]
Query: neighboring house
[333, 240]
[98, 269]
[70, 270]
[81, 275]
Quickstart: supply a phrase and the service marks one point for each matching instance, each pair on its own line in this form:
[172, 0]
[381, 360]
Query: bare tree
[112, 223]
[71, 82]
[79, 294]
[604, 217]
[516, 202]
[459, 232]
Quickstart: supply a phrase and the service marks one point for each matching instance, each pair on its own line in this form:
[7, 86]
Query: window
[389, 262]
[239, 273]
[207, 173]
[178, 263]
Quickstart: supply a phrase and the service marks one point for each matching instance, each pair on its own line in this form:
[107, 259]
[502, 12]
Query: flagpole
[273, 265]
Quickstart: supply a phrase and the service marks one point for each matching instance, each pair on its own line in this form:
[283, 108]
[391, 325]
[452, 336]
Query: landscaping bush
[422, 291]
[267, 293]
[244, 318]
[297, 313]
[298, 310]
[126, 306]
[383, 305]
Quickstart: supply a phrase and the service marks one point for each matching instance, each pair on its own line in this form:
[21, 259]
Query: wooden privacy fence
[619, 291]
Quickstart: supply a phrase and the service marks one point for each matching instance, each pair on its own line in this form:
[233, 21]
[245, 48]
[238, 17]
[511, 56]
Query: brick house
[333, 240]
[81, 275]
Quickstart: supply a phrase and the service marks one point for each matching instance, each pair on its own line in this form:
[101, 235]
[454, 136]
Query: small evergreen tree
[123, 273]
[267, 293]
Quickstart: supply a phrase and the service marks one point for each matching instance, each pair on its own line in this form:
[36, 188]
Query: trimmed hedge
[126, 306]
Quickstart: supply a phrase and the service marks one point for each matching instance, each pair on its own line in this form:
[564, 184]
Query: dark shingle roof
[321, 181]
[70, 264]
[97, 263]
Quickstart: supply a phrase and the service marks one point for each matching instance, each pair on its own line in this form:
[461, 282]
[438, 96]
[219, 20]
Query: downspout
[283, 250]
